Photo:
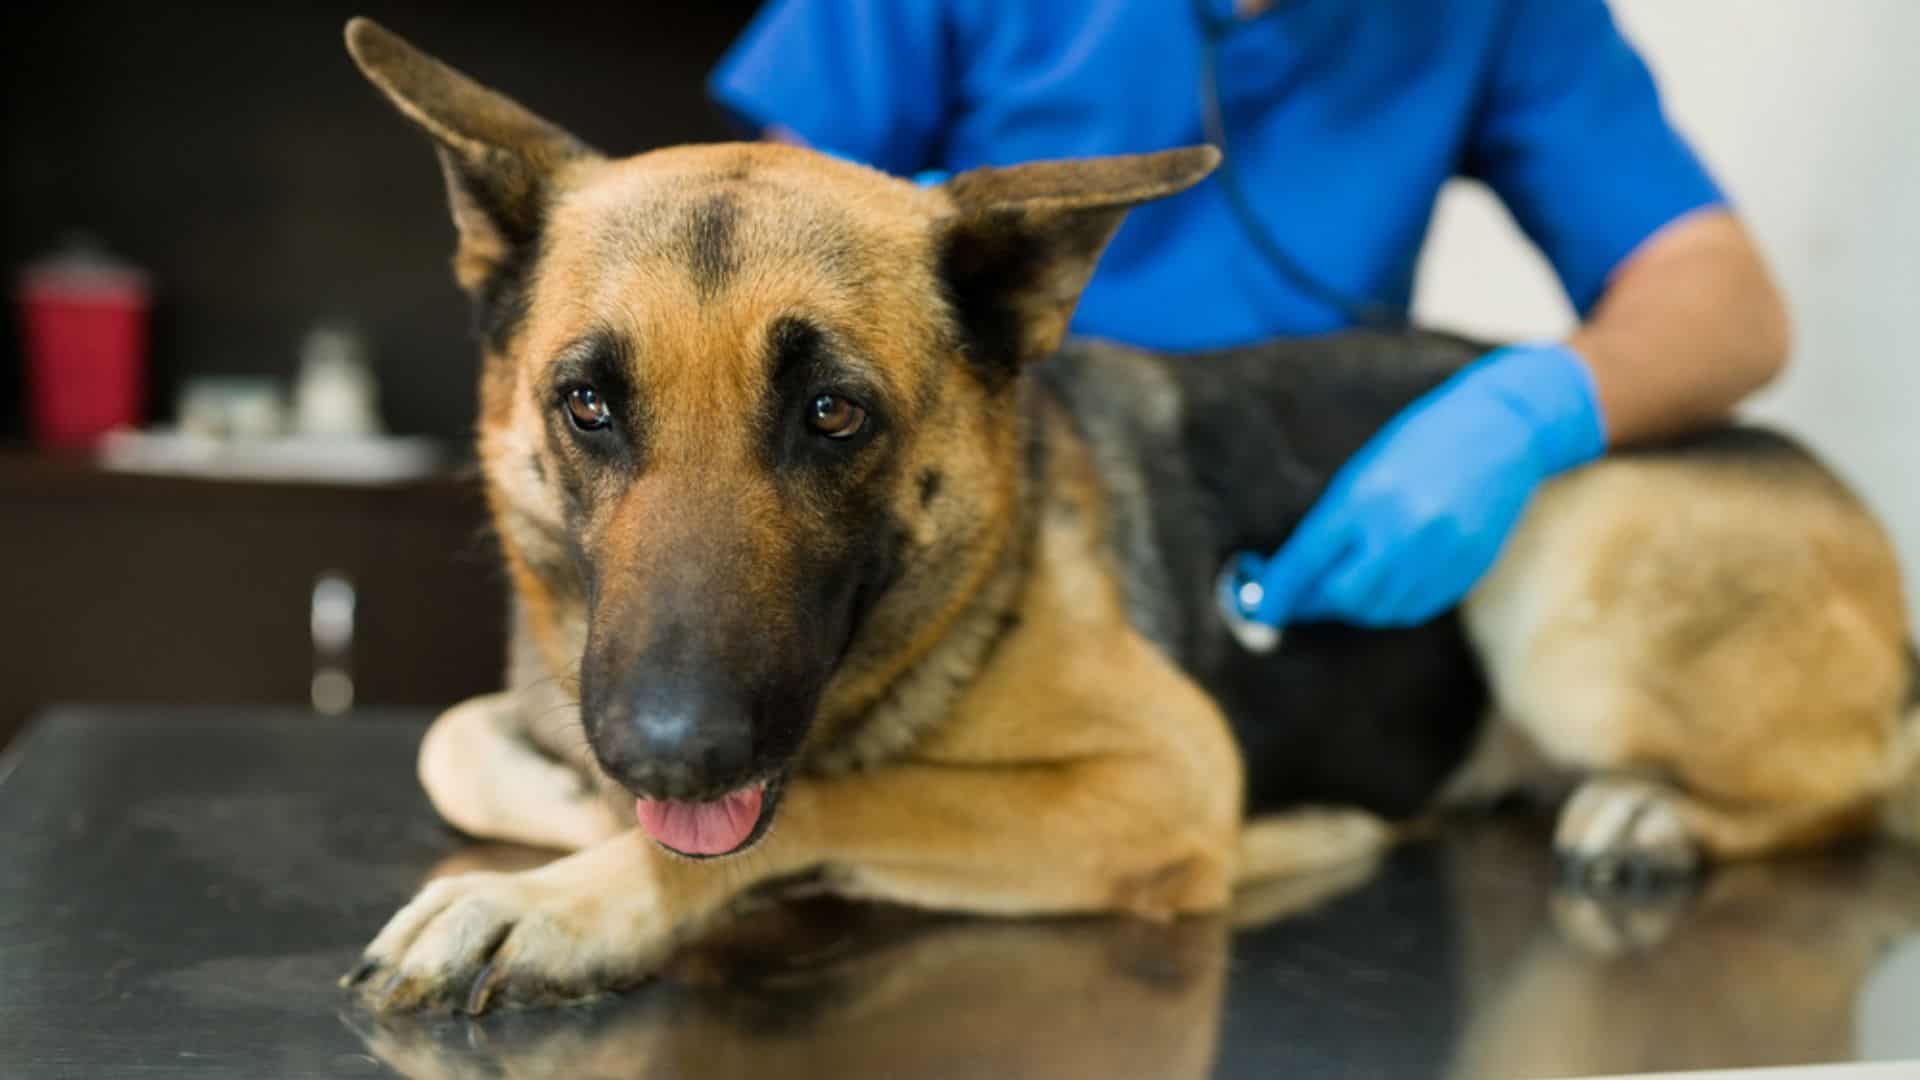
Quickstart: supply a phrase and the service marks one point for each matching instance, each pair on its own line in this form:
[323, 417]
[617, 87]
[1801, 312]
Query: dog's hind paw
[1624, 836]
[477, 940]
[1627, 865]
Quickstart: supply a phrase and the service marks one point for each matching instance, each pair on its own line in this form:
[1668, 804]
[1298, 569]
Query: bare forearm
[1690, 325]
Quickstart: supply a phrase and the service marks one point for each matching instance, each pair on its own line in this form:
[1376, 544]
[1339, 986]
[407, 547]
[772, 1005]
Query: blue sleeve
[865, 79]
[1570, 134]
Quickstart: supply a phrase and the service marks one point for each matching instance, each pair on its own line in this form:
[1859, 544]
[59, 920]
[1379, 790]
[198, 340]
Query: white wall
[1808, 112]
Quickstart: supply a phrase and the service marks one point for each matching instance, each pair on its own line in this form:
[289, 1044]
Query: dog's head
[749, 413]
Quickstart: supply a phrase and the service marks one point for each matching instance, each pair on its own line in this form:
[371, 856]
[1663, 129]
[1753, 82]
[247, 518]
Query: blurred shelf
[45, 474]
[181, 590]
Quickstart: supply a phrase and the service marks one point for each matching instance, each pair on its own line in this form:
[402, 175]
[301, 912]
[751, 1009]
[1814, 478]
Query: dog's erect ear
[1023, 241]
[498, 157]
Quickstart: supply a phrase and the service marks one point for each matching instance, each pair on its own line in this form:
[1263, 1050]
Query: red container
[85, 319]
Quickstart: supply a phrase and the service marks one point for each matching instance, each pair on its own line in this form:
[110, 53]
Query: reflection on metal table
[179, 890]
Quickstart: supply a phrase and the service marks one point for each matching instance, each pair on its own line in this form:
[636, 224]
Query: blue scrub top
[1344, 119]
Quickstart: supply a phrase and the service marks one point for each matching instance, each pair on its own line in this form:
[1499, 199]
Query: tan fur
[482, 770]
[1733, 630]
[997, 737]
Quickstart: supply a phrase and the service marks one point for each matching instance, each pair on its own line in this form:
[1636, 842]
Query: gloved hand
[1414, 519]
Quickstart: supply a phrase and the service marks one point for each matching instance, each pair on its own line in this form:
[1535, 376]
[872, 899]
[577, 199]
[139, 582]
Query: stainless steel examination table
[180, 888]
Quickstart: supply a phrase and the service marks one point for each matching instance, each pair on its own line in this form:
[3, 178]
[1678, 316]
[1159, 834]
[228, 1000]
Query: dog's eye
[587, 409]
[835, 417]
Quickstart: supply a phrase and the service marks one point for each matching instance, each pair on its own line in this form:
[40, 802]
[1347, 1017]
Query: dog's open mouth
[713, 827]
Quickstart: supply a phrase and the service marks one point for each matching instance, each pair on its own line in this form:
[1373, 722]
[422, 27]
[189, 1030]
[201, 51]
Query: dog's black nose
[680, 737]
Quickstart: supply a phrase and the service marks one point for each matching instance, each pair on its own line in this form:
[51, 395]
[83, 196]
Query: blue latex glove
[1414, 519]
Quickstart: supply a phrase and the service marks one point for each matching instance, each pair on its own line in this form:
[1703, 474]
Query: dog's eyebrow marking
[797, 346]
[598, 359]
[792, 343]
[708, 240]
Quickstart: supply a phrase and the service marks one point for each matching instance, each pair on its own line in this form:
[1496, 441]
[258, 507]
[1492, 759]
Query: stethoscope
[1237, 591]
[1236, 596]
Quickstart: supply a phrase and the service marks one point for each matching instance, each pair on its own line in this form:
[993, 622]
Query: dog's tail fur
[1901, 816]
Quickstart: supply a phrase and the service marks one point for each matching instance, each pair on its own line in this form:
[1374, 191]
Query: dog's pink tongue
[702, 828]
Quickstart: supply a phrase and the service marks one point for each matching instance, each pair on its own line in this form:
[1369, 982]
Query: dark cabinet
[129, 588]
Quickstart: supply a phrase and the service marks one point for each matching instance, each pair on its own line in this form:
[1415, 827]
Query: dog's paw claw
[482, 989]
[480, 941]
[361, 970]
[1628, 875]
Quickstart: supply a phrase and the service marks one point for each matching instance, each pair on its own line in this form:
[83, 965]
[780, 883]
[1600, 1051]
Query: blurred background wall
[234, 152]
[1805, 111]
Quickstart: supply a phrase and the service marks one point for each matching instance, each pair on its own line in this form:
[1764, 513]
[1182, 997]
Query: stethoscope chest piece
[1236, 596]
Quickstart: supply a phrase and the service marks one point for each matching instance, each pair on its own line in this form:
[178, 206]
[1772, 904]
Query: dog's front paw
[481, 939]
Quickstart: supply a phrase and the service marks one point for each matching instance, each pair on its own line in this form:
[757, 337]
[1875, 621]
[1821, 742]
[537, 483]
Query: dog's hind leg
[1672, 780]
[1717, 639]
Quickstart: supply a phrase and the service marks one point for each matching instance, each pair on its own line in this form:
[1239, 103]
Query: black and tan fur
[970, 647]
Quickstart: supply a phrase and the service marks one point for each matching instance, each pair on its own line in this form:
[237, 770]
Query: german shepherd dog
[834, 562]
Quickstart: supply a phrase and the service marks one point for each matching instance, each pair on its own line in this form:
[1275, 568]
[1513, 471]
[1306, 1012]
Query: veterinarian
[1340, 123]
